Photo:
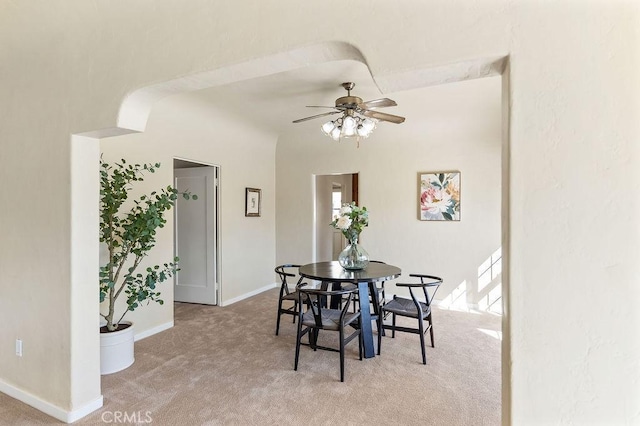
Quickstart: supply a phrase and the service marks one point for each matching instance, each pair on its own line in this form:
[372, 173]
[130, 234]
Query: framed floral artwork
[252, 202]
[439, 195]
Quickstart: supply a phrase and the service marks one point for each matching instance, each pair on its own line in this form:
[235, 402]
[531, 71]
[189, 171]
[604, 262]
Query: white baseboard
[247, 295]
[87, 409]
[152, 331]
[49, 408]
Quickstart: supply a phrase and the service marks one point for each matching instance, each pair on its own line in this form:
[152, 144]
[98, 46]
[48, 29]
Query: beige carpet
[225, 366]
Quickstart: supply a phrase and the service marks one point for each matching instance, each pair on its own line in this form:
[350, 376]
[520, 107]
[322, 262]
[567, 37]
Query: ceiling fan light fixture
[349, 125]
[358, 119]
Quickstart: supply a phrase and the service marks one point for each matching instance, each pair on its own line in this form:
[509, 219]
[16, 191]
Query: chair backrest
[288, 270]
[316, 301]
[426, 281]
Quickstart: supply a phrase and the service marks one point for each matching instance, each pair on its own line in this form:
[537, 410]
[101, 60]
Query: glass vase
[353, 257]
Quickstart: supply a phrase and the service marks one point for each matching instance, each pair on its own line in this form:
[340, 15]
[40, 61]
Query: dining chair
[414, 308]
[287, 295]
[318, 316]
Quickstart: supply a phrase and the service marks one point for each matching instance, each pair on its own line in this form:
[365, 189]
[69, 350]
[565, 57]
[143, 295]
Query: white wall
[450, 127]
[574, 175]
[178, 127]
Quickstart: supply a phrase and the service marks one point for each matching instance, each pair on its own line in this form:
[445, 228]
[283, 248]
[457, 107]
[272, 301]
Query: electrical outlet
[18, 347]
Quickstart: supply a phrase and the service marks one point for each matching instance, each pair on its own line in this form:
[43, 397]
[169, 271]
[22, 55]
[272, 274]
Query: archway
[133, 116]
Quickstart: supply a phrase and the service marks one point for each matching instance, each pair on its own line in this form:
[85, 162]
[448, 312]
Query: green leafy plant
[129, 236]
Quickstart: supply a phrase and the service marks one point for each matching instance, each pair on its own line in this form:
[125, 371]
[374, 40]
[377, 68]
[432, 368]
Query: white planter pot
[116, 350]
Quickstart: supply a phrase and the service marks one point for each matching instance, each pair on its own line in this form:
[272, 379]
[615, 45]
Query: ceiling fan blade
[300, 120]
[378, 103]
[383, 116]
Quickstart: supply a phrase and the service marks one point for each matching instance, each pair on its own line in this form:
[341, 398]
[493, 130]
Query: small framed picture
[439, 196]
[252, 202]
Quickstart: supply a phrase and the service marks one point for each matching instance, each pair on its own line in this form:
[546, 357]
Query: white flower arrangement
[351, 220]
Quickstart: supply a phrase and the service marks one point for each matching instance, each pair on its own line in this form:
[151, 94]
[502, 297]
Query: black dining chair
[414, 308]
[287, 295]
[318, 316]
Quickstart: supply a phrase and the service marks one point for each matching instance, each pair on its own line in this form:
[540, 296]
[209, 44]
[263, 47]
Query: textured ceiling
[274, 101]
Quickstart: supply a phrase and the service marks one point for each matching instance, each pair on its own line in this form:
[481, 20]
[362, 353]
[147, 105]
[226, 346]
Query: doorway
[332, 191]
[196, 241]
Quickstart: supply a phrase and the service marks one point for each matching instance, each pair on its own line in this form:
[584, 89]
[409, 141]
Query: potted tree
[128, 232]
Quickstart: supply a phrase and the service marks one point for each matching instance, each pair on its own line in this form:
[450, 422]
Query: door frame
[217, 243]
[316, 204]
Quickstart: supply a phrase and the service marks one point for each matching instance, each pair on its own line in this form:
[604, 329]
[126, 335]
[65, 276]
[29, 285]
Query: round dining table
[365, 279]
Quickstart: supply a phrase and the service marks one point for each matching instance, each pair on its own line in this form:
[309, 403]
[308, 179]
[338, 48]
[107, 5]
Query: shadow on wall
[488, 291]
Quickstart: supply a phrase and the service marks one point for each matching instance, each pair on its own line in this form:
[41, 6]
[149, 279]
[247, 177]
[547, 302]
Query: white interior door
[196, 236]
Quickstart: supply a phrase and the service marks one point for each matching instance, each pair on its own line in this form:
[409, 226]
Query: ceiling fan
[352, 107]
[355, 104]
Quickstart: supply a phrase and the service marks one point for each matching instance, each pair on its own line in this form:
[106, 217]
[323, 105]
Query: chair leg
[380, 331]
[421, 328]
[355, 304]
[279, 313]
[298, 339]
[360, 343]
[393, 325]
[431, 331]
[342, 354]
[313, 338]
[295, 311]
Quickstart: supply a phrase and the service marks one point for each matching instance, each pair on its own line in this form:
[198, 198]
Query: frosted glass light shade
[328, 127]
[368, 125]
[348, 124]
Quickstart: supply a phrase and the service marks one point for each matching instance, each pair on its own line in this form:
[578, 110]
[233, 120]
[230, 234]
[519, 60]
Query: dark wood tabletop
[333, 272]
